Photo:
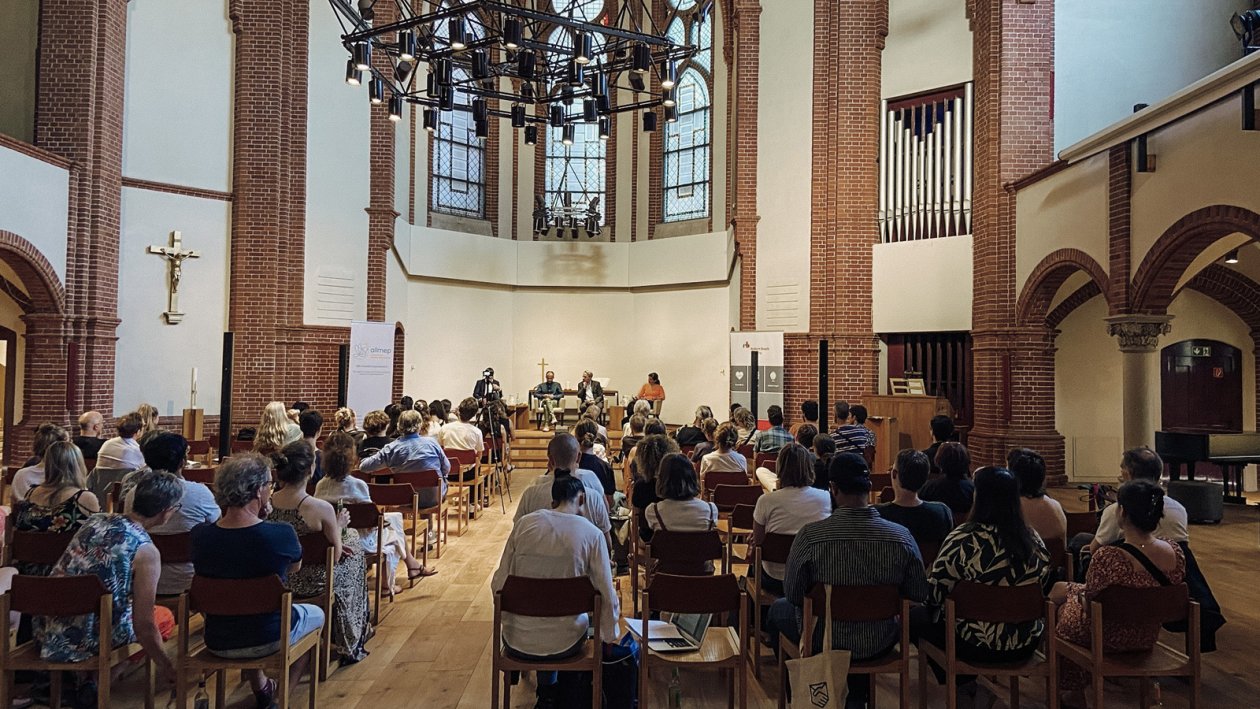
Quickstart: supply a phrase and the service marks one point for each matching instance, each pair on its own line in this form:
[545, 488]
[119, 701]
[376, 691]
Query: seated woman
[338, 486]
[437, 417]
[996, 548]
[641, 407]
[1133, 563]
[344, 420]
[647, 463]
[824, 451]
[653, 392]
[954, 487]
[276, 430]
[793, 505]
[62, 503]
[117, 548]
[309, 515]
[33, 472]
[1042, 513]
[745, 425]
[374, 439]
[242, 545]
[691, 434]
[679, 508]
[586, 433]
[725, 458]
[708, 429]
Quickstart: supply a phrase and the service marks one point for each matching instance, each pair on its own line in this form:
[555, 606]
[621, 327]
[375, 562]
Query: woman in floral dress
[60, 504]
[308, 514]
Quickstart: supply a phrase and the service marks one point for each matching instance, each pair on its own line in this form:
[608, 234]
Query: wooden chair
[713, 478]
[467, 493]
[438, 515]
[993, 604]
[112, 495]
[365, 477]
[726, 497]
[244, 597]
[774, 549]
[1119, 605]
[746, 450]
[242, 446]
[681, 553]
[43, 548]
[738, 524]
[546, 598]
[720, 648]
[687, 450]
[399, 497]
[205, 476]
[769, 461]
[63, 596]
[174, 549]
[367, 518]
[929, 552]
[887, 495]
[200, 451]
[638, 556]
[879, 481]
[854, 604]
[1060, 560]
[1081, 523]
[318, 551]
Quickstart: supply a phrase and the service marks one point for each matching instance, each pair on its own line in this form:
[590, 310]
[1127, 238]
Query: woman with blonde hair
[745, 424]
[344, 421]
[149, 418]
[275, 430]
[61, 503]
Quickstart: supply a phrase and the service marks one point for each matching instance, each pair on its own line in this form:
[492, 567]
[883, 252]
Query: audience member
[449, 410]
[555, 541]
[1143, 560]
[691, 434]
[374, 426]
[563, 454]
[275, 430]
[655, 427]
[1042, 512]
[647, 464]
[393, 411]
[117, 549]
[824, 451]
[641, 407]
[312, 423]
[33, 474]
[628, 443]
[1142, 464]
[243, 545]
[745, 423]
[410, 453]
[725, 458]
[437, 417]
[586, 432]
[928, 522]
[590, 394]
[809, 414]
[307, 514]
[122, 452]
[805, 434]
[59, 502]
[91, 426]
[851, 434]
[995, 547]
[346, 422]
[463, 435]
[942, 432]
[680, 508]
[708, 428]
[954, 487]
[852, 547]
[786, 510]
[548, 393]
[149, 415]
[775, 437]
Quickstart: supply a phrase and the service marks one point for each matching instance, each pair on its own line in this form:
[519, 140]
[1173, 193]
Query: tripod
[496, 454]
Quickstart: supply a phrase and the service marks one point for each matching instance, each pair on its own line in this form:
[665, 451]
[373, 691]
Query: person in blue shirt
[411, 452]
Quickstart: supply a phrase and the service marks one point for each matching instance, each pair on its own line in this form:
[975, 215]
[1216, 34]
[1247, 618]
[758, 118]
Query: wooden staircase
[529, 449]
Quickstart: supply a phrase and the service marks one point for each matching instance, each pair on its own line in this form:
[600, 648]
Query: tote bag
[820, 681]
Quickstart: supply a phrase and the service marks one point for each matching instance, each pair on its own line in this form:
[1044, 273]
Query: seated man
[117, 548]
[412, 452]
[91, 425]
[590, 395]
[563, 454]
[775, 437]
[809, 411]
[852, 547]
[312, 422]
[548, 394]
[928, 522]
[942, 432]
[118, 456]
[556, 542]
[851, 434]
[463, 435]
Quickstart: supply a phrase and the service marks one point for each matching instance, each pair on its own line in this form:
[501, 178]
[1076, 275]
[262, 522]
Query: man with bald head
[91, 426]
[563, 454]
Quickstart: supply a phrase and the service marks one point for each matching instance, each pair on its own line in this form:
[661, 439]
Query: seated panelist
[549, 393]
[590, 395]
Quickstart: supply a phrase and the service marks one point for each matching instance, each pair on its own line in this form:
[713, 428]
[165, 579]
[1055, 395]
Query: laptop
[682, 633]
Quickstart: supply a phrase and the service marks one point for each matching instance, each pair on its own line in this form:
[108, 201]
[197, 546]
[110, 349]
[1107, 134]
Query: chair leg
[282, 682]
[314, 693]
[1014, 693]
[903, 681]
[54, 690]
[923, 685]
[870, 681]
[1098, 691]
[5, 688]
[742, 676]
[220, 691]
[951, 688]
[103, 679]
[495, 677]
[150, 683]
[783, 682]
[1144, 695]
[597, 682]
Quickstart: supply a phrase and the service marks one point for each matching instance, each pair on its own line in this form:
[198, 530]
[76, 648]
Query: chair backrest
[684, 552]
[112, 493]
[59, 596]
[236, 597]
[887, 495]
[1144, 606]
[879, 481]
[775, 547]
[363, 515]
[929, 551]
[726, 497]
[365, 477]
[39, 547]
[392, 494]
[692, 594]
[713, 478]
[198, 447]
[174, 548]
[687, 450]
[420, 479]
[315, 548]
[1057, 549]
[856, 603]
[742, 516]
[767, 460]
[242, 446]
[998, 604]
[464, 458]
[1081, 522]
[547, 598]
[745, 450]
[205, 476]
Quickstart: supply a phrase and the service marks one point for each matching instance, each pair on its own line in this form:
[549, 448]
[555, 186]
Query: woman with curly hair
[275, 430]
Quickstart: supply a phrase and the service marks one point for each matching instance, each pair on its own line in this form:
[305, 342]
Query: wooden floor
[433, 648]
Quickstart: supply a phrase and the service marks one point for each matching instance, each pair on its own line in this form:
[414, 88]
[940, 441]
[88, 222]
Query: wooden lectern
[913, 414]
[195, 424]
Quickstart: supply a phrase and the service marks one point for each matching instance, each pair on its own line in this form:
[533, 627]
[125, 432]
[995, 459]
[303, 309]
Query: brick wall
[744, 41]
[381, 161]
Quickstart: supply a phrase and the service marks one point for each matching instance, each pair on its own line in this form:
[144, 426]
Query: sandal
[265, 698]
[424, 572]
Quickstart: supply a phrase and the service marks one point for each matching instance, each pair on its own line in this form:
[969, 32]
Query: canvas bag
[820, 681]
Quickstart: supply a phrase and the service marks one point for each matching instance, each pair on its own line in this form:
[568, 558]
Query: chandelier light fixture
[508, 59]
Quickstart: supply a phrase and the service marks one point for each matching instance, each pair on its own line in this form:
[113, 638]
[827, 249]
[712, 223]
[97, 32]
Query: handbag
[822, 680]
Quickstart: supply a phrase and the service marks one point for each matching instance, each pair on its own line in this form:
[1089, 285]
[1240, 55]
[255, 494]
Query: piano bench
[1204, 501]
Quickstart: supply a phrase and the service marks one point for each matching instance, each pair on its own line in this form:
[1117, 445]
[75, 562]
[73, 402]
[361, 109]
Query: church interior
[1037, 219]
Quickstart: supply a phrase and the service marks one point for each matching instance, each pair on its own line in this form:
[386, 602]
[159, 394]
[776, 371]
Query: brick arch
[1033, 307]
[1232, 289]
[1175, 249]
[37, 274]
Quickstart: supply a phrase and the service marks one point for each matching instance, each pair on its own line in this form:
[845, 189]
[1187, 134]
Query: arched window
[458, 157]
[687, 140]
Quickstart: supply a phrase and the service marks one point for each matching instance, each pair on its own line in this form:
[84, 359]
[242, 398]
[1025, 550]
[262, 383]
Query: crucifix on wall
[174, 255]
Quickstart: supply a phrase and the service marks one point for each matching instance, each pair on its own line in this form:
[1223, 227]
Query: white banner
[371, 384]
[769, 349]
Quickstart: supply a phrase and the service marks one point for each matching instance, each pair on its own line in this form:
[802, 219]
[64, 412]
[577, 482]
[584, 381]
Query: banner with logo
[371, 380]
[769, 349]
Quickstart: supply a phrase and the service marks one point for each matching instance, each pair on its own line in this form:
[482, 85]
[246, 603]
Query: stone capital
[1139, 333]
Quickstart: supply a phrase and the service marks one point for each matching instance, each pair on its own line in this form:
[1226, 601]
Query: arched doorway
[1201, 386]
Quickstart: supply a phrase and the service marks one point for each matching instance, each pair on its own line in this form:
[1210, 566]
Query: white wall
[928, 46]
[177, 117]
[1065, 210]
[1112, 55]
[337, 176]
[922, 286]
[154, 359]
[34, 204]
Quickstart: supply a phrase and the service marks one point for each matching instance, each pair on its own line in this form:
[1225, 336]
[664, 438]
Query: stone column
[1139, 342]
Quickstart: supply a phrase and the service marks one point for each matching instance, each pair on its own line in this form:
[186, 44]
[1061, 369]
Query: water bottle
[202, 699]
[1157, 696]
[675, 691]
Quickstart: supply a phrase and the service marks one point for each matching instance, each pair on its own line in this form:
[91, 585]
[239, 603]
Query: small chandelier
[543, 68]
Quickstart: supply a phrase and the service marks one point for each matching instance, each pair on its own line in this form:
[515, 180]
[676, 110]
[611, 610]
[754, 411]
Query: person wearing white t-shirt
[680, 509]
[463, 435]
[784, 511]
[725, 458]
[563, 454]
[1145, 464]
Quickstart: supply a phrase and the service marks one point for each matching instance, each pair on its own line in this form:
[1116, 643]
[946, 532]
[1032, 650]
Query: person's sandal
[265, 698]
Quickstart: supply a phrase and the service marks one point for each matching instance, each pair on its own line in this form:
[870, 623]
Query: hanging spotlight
[362, 56]
[588, 110]
[582, 48]
[599, 84]
[354, 77]
[603, 104]
[376, 91]
[458, 33]
[402, 71]
[669, 75]
[481, 129]
[395, 108]
[446, 101]
[431, 88]
[1232, 256]
[577, 73]
[513, 33]
[566, 134]
[518, 116]
[667, 98]
[479, 109]
[605, 128]
[480, 64]
[442, 69]
[641, 60]
[407, 45]
[526, 63]
[557, 116]
[531, 135]
[636, 82]
[649, 121]
[527, 91]
[671, 114]
[430, 119]
[566, 95]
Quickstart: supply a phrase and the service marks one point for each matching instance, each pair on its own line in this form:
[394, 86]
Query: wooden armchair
[438, 515]
[720, 648]
[318, 551]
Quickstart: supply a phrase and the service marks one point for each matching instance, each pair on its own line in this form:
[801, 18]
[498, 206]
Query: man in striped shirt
[851, 434]
[852, 547]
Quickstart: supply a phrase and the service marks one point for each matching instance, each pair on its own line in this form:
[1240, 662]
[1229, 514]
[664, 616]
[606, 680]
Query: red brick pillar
[1014, 135]
[79, 115]
[381, 212]
[44, 380]
[745, 79]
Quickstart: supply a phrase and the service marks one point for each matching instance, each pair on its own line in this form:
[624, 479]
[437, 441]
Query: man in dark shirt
[91, 425]
[942, 431]
[851, 436]
[928, 522]
[548, 394]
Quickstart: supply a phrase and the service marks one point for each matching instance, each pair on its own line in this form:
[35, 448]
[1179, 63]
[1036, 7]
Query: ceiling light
[605, 126]
[670, 75]
[513, 33]
[481, 129]
[641, 60]
[671, 114]
[430, 119]
[479, 109]
[362, 55]
[407, 45]
[566, 134]
[526, 64]
[354, 77]
[649, 121]
[557, 116]
[458, 33]
[588, 110]
[395, 108]
[667, 98]
[582, 48]
[1232, 256]
[376, 91]
[480, 64]
[531, 135]
[518, 116]
[446, 101]
[636, 82]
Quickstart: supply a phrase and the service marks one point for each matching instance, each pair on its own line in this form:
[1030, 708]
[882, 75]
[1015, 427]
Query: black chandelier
[553, 78]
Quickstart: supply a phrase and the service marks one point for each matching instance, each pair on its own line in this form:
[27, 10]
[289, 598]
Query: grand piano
[1233, 452]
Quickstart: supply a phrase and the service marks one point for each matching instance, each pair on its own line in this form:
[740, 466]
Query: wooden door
[1201, 386]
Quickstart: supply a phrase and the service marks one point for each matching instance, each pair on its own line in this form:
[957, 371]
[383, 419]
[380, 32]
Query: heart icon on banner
[739, 375]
